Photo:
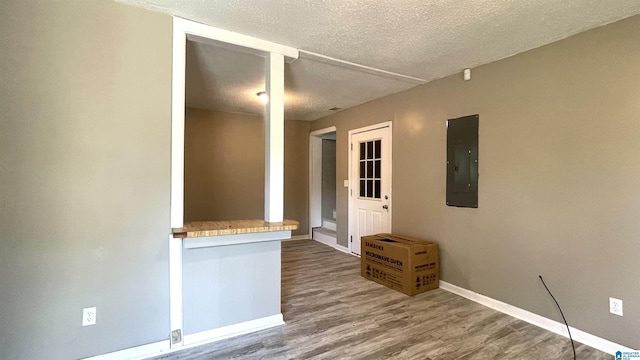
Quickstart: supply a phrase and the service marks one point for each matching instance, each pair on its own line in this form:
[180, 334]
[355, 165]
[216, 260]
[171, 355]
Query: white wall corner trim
[178, 81]
[551, 325]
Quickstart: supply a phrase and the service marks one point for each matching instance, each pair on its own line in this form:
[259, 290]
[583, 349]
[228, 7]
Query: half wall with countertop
[225, 276]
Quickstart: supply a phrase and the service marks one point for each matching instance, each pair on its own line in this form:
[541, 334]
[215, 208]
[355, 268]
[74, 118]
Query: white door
[370, 183]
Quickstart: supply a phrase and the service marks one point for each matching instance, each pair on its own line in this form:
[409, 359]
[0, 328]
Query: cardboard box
[408, 265]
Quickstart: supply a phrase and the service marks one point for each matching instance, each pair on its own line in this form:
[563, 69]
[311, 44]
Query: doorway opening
[322, 186]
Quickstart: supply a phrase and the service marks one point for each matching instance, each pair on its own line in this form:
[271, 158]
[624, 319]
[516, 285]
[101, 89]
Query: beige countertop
[193, 229]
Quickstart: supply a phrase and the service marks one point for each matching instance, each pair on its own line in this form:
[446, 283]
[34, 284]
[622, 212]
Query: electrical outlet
[89, 316]
[176, 336]
[615, 306]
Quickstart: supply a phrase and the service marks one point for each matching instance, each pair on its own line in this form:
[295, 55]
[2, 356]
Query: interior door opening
[322, 201]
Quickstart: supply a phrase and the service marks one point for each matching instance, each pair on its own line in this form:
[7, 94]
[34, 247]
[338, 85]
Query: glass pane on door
[370, 169]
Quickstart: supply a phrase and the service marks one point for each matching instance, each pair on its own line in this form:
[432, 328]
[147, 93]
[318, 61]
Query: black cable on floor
[561, 313]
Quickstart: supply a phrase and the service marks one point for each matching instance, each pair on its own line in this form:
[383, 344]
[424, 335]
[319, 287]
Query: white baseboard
[298, 237]
[193, 340]
[343, 249]
[336, 246]
[551, 325]
[226, 332]
[325, 239]
[138, 352]
[329, 224]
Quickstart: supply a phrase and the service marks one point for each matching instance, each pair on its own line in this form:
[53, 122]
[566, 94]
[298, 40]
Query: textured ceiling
[228, 80]
[427, 39]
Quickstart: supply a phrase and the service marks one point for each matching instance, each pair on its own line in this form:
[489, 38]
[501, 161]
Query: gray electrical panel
[462, 161]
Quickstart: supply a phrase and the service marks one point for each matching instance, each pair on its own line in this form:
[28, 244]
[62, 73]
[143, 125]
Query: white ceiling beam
[214, 36]
[359, 67]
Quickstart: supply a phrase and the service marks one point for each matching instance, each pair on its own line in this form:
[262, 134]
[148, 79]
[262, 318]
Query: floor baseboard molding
[137, 352]
[193, 340]
[329, 224]
[226, 332]
[335, 246]
[324, 239]
[343, 249]
[551, 325]
[298, 237]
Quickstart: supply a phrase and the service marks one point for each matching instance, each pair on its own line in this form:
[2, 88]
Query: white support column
[175, 292]
[274, 140]
[177, 123]
[177, 182]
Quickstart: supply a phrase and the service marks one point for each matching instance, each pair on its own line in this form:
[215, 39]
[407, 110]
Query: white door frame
[352, 181]
[315, 176]
[275, 55]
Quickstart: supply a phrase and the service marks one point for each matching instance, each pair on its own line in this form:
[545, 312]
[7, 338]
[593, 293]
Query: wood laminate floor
[333, 313]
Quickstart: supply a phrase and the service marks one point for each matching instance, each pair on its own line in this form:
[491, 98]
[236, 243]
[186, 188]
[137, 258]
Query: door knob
[386, 207]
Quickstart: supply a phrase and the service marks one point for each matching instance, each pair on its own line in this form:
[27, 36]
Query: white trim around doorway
[315, 176]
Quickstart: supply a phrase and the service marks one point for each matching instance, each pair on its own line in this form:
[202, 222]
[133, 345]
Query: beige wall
[85, 128]
[558, 194]
[328, 178]
[224, 167]
[296, 173]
